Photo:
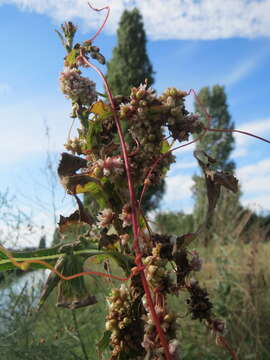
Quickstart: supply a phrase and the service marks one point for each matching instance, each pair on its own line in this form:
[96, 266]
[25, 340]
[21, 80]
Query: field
[237, 278]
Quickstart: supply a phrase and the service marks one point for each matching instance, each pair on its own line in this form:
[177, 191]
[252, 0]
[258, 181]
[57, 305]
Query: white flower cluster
[105, 218]
[151, 340]
[77, 87]
[109, 166]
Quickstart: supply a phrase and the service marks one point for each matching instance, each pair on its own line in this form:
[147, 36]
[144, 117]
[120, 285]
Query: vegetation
[152, 297]
[219, 145]
[129, 56]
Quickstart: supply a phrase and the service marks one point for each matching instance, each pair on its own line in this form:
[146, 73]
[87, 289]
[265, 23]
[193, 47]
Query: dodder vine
[122, 145]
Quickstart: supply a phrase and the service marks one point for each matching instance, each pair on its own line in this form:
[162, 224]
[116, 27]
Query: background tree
[218, 145]
[130, 66]
[174, 223]
[42, 242]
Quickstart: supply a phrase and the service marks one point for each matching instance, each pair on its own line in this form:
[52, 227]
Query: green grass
[237, 278]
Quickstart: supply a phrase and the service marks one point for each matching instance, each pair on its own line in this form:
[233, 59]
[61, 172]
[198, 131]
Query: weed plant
[123, 145]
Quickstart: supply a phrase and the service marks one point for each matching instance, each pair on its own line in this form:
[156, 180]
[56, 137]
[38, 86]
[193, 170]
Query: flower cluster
[110, 166]
[156, 273]
[145, 122]
[105, 218]
[126, 215]
[78, 88]
[179, 121]
[151, 342]
[75, 145]
[121, 321]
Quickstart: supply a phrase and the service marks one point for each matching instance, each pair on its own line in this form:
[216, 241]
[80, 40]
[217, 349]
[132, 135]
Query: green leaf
[61, 37]
[94, 130]
[71, 57]
[165, 146]
[124, 261]
[103, 343]
[50, 255]
[97, 192]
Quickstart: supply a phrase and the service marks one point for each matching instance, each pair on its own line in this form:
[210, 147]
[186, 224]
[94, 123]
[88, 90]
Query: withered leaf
[75, 303]
[80, 215]
[73, 294]
[214, 180]
[227, 180]
[69, 164]
[67, 168]
[51, 282]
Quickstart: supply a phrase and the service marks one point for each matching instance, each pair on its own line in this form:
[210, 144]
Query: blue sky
[190, 43]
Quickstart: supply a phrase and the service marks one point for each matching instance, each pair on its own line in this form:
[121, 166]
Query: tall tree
[130, 64]
[218, 145]
[129, 67]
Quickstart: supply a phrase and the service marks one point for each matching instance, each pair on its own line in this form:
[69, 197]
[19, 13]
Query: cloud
[27, 135]
[178, 193]
[258, 127]
[170, 19]
[255, 180]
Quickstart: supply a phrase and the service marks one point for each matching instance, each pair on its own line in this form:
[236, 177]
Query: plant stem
[134, 207]
[79, 335]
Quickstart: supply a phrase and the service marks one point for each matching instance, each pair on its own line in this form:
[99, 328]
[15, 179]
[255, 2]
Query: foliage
[129, 56]
[219, 145]
[50, 333]
[121, 148]
[174, 223]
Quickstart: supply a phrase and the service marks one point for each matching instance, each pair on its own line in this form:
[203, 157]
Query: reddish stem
[221, 341]
[239, 132]
[104, 22]
[134, 207]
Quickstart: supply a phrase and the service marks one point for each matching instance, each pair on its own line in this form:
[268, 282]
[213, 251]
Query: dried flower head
[78, 88]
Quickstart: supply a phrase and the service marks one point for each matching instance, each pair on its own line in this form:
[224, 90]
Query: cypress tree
[130, 64]
[218, 145]
[129, 67]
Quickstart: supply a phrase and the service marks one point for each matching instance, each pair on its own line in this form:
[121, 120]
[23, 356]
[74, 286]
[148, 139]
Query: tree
[42, 242]
[174, 223]
[218, 145]
[130, 64]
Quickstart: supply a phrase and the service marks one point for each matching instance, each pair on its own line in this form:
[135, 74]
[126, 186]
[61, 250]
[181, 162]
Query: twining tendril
[24, 265]
[104, 22]
[238, 132]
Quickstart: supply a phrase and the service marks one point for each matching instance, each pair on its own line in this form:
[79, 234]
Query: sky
[191, 44]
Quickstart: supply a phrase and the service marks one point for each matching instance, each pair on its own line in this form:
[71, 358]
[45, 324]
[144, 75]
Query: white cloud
[178, 189]
[259, 127]
[242, 70]
[170, 19]
[23, 129]
[255, 178]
